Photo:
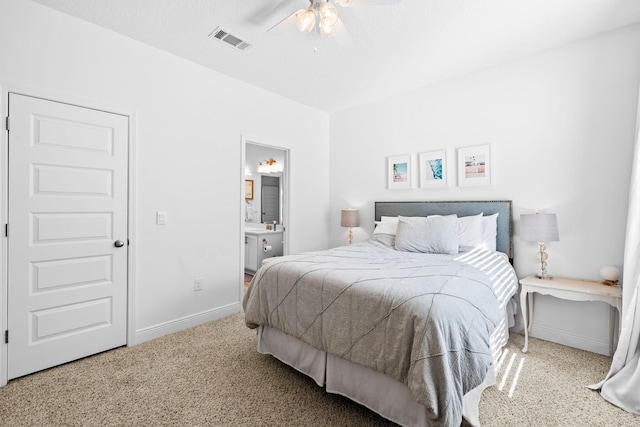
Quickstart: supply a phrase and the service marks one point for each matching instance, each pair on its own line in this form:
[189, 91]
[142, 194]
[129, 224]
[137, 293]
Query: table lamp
[540, 228]
[350, 218]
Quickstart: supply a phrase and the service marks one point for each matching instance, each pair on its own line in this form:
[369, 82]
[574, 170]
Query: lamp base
[542, 257]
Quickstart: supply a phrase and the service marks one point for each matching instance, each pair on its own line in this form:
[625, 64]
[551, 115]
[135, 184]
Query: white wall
[561, 124]
[188, 126]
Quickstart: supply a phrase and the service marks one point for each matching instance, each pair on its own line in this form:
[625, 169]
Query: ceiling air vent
[230, 39]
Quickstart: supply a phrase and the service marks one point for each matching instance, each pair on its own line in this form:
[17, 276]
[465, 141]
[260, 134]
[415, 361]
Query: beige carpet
[211, 375]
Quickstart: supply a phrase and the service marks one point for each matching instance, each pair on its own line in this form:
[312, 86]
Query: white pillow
[470, 231]
[433, 234]
[386, 240]
[490, 232]
[387, 225]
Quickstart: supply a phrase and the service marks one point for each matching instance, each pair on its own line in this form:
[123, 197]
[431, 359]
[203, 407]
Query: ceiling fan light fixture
[325, 30]
[328, 14]
[306, 20]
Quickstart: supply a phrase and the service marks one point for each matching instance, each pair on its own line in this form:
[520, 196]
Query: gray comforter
[423, 319]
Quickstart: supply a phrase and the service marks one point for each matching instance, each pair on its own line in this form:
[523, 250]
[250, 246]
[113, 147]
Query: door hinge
[6, 123]
[6, 230]
[6, 336]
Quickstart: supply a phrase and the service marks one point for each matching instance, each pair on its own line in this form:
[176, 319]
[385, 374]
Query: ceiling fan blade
[286, 23]
[265, 13]
[340, 34]
[349, 3]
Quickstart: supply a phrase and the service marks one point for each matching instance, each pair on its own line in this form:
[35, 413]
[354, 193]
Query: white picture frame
[399, 172]
[475, 166]
[434, 169]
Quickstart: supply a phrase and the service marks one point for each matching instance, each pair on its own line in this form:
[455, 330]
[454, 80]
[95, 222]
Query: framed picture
[248, 189]
[474, 165]
[399, 172]
[434, 171]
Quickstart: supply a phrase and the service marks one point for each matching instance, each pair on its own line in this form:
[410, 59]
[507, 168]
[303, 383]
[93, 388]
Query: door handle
[118, 243]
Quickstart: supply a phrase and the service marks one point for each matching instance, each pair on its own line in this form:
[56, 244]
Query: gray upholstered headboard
[504, 241]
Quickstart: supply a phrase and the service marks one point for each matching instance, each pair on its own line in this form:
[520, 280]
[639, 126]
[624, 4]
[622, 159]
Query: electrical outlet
[197, 284]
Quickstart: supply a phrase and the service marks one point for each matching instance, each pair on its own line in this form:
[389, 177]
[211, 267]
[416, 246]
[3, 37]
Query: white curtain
[622, 384]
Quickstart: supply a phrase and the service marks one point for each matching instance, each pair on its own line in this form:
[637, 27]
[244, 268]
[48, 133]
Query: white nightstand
[569, 289]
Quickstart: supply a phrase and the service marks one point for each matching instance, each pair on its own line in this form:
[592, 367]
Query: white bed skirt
[379, 392]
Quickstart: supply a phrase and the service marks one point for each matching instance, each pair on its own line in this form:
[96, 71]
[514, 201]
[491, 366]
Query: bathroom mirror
[264, 172]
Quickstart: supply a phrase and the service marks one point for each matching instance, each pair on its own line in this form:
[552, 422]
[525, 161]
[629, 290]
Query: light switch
[161, 218]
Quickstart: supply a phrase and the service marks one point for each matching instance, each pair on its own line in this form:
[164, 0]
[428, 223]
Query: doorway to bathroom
[265, 207]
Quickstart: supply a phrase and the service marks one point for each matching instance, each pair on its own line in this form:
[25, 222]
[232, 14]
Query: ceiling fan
[322, 15]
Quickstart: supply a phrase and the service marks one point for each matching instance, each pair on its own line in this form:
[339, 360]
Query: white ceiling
[395, 48]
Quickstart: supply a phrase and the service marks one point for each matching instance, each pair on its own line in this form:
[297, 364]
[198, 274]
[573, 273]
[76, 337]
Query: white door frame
[284, 183]
[5, 89]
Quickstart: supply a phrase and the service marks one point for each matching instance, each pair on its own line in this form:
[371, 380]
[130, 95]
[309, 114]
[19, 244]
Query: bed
[409, 323]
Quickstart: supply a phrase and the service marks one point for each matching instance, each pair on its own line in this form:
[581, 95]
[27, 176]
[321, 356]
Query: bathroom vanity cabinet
[260, 245]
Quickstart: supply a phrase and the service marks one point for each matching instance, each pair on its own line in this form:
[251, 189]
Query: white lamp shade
[539, 228]
[350, 218]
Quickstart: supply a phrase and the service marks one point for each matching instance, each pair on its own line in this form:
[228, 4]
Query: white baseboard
[176, 325]
[559, 336]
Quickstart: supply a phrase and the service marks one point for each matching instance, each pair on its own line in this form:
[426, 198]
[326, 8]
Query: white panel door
[67, 243]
